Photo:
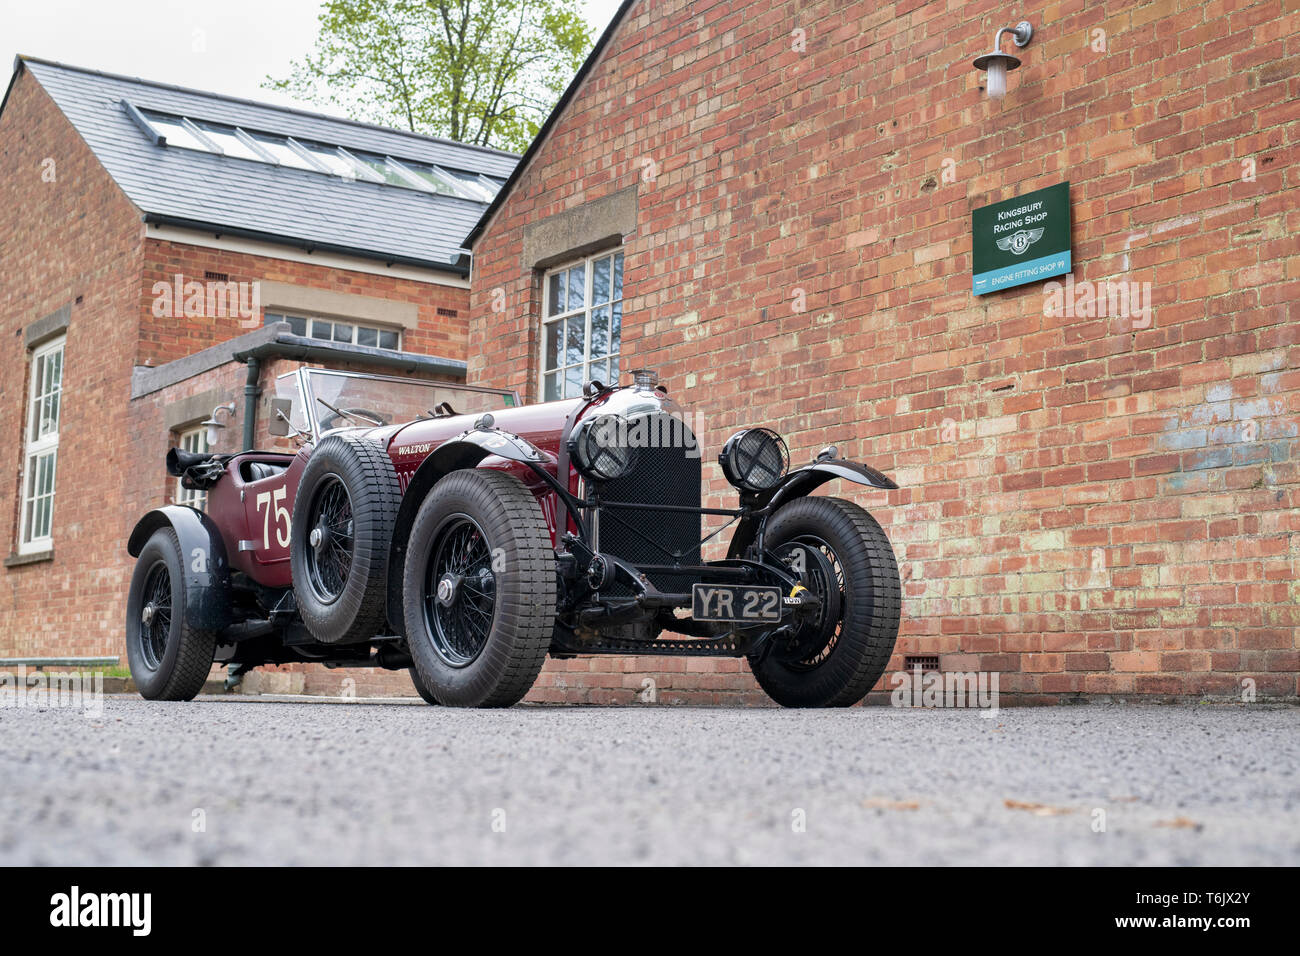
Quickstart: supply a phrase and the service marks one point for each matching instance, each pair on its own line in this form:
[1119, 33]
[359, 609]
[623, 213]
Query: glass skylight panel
[228, 142]
[412, 178]
[449, 182]
[332, 161]
[233, 141]
[360, 168]
[284, 154]
[174, 131]
[440, 181]
[386, 174]
[306, 153]
[471, 185]
[198, 134]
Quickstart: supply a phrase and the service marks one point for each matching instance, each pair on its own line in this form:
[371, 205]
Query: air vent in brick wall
[217, 276]
[449, 313]
[923, 663]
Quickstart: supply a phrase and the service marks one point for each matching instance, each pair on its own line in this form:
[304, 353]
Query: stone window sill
[18, 560]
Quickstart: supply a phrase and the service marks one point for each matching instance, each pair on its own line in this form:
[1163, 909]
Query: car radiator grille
[663, 475]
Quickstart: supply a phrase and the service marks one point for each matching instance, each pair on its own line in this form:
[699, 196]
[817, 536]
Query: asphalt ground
[252, 781]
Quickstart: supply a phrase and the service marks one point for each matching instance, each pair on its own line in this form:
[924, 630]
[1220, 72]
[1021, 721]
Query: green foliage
[484, 72]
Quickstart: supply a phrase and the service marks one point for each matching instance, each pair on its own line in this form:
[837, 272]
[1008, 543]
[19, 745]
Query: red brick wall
[165, 339]
[74, 241]
[1088, 505]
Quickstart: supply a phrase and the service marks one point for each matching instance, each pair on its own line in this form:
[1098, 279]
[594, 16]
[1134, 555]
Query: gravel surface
[399, 783]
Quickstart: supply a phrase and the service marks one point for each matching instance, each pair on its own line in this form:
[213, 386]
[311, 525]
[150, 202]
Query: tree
[484, 72]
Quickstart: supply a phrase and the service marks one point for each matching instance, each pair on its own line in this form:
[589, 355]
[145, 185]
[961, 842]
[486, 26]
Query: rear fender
[800, 483]
[466, 450]
[203, 557]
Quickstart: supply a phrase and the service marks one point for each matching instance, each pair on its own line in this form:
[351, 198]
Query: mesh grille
[662, 476]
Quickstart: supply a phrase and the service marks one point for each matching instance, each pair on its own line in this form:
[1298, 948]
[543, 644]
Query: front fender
[503, 444]
[801, 482]
[203, 556]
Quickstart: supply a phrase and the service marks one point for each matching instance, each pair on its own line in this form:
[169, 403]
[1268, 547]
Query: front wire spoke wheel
[479, 589]
[459, 592]
[823, 575]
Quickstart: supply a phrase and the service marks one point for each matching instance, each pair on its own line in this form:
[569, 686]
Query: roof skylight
[279, 150]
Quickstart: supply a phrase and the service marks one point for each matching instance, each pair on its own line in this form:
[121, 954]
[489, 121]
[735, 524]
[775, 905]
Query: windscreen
[363, 400]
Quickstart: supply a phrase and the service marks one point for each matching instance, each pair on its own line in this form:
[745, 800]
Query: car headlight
[599, 448]
[754, 459]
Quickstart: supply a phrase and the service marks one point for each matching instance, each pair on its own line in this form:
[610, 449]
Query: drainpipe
[251, 392]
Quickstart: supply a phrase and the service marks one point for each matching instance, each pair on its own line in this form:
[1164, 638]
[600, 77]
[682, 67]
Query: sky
[226, 47]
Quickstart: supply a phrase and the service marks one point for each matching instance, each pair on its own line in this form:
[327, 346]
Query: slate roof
[179, 186]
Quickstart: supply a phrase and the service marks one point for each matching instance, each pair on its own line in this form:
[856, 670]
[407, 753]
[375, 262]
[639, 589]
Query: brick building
[775, 201]
[157, 244]
[771, 204]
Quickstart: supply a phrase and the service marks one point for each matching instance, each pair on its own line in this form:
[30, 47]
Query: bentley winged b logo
[1020, 241]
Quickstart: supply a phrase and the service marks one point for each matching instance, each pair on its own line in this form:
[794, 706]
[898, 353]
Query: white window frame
[611, 359]
[310, 320]
[40, 446]
[192, 440]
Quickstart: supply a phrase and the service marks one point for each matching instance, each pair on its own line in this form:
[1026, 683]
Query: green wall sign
[1021, 240]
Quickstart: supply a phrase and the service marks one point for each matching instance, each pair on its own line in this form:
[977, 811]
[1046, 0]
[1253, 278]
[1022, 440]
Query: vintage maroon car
[450, 531]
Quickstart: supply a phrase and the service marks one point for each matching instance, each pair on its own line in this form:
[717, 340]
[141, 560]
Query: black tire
[349, 493]
[425, 694]
[169, 659]
[483, 643]
[835, 663]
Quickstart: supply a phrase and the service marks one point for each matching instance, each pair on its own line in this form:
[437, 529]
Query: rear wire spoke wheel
[156, 615]
[169, 658]
[835, 658]
[478, 590]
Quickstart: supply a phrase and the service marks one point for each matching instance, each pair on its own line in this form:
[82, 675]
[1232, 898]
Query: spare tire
[342, 528]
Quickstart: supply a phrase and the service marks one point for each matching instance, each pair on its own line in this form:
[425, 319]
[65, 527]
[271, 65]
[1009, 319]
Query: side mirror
[281, 413]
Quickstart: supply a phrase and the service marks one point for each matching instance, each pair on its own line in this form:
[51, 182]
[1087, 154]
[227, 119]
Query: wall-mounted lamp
[212, 424]
[998, 63]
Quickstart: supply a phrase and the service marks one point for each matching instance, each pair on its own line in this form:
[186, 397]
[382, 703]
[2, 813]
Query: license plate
[744, 605]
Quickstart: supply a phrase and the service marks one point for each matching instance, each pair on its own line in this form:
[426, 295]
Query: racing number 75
[272, 499]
